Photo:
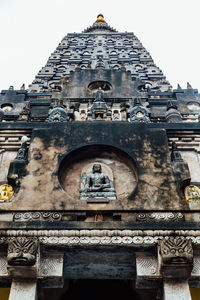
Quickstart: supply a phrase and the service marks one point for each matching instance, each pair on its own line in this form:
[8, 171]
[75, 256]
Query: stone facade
[100, 172]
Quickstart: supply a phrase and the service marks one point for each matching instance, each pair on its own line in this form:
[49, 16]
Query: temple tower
[100, 176]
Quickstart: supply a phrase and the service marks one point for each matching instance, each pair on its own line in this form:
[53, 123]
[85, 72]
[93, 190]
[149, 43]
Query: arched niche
[104, 85]
[117, 164]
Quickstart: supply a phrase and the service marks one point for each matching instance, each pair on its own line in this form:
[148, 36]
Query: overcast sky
[30, 30]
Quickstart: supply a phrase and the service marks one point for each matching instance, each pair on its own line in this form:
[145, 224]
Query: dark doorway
[85, 289]
[101, 290]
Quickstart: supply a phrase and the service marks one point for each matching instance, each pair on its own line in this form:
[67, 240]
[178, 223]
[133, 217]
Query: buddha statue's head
[96, 168]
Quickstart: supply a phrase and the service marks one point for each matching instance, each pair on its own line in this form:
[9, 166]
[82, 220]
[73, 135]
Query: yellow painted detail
[56, 115]
[100, 19]
[24, 117]
[195, 294]
[6, 192]
[140, 115]
[4, 293]
[192, 193]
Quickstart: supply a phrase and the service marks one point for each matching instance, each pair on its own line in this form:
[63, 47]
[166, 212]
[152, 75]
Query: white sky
[30, 30]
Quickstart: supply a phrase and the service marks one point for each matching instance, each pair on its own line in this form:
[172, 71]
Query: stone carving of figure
[97, 185]
[192, 193]
[23, 151]
[22, 251]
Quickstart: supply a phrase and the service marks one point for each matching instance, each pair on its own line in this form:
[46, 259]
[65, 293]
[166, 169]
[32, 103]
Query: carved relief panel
[22, 251]
[100, 172]
[95, 183]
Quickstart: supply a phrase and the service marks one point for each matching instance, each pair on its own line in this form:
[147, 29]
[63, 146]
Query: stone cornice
[100, 237]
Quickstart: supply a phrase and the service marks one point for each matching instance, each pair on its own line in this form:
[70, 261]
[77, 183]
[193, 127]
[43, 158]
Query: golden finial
[100, 19]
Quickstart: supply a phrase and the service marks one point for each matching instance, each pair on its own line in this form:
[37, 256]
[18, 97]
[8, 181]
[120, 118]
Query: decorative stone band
[169, 216]
[37, 216]
[57, 216]
[100, 237]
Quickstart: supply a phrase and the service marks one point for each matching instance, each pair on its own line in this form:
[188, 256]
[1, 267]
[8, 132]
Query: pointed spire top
[172, 114]
[100, 19]
[100, 25]
[22, 87]
[189, 87]
[179, 87]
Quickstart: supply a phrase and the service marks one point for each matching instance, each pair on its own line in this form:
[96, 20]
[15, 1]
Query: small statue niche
[192, 194]
[25, 114]
[58, 113]
[116, 116]
[97, 185]
[138, 112]
[99, 109]
[83, 115]
[17, 167]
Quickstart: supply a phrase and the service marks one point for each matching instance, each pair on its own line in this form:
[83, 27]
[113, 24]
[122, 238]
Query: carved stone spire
[58, 113]
[175, 154]
[189, 87]
[138, 112]
[100, 25]
[100, 64]
[22, 87]
[172, 114]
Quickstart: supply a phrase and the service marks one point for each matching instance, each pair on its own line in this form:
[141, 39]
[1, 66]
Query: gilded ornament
[140, 114]
[192, 193]
[100, 19]
[6, 192]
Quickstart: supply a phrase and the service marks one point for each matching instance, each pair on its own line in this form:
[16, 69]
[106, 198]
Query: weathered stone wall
[135, 153]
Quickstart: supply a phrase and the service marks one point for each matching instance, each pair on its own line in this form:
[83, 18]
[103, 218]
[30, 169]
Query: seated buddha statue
[97, 185]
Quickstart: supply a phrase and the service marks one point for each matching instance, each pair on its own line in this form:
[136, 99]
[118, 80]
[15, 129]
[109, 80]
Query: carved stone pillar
[23, 290]
[22, 266]
[174, 290]
[23, 257]
[27, 263]
[176, 264]
[147, 270]
[176, 257]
